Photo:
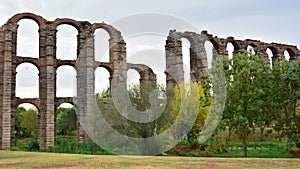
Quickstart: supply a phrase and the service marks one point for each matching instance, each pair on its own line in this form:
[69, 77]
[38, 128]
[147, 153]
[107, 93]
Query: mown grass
[19, 159]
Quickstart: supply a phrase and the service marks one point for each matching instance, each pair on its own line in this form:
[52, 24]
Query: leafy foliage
[287, 88]
[66, 121]
[29, 123]
[19, 118]
[195, 96]
[246, 100]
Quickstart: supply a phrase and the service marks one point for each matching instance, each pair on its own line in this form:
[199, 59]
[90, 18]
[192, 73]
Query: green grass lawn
[19, 159]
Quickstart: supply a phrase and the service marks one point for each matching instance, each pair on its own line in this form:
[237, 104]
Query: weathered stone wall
[198, 56]
[85, 65]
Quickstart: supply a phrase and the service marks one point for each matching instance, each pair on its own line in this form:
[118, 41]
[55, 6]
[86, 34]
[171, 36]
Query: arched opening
[186, 59]
[230, 49]
[101, 45]
[160, 77]
[27, 126]
[209, 47]
[271, 54]
[66, 42]
[133, 78]
[251, 49]
[28, 39]
[65, 123]
[66, 81]
[288, 54]
[102, 82]
[27, 81]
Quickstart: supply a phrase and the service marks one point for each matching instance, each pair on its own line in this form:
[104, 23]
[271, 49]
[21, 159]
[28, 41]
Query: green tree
[287, 75]
[195, 96]
[66, 120]
[245, 95]
[29, 122]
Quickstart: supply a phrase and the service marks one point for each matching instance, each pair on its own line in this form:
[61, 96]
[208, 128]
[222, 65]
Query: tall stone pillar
[117, 54]
[7, 38]
[85, 79]
[198, 61]
[174, 64]
[47, 42]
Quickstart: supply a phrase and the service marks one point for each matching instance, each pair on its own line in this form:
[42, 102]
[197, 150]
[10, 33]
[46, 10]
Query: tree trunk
[229, 133]
[262, 138]
[244, 141]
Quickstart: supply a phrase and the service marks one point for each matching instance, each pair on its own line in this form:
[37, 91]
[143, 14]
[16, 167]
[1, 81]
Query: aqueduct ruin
[47, 63]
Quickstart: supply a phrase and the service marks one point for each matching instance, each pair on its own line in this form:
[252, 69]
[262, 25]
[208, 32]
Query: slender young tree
[245, 102]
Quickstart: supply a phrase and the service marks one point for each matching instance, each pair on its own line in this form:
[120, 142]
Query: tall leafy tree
[195, 96]
[245, 74]
[287, 75]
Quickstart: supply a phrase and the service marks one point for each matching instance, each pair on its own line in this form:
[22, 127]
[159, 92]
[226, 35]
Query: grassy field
[19, 159]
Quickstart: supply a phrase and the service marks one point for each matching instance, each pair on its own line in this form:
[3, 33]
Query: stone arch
[34, 101]
[107, 66]
[117, 50]
[106, 71]
[38, 116]
[33, 72]
[60, 100]
[229, 49]
[34, 61]
[67, 21]
[211, 52]
[145, 72]
[113, 33]
[131, 77]
[272, 54]
[67, 63]
[147, 81]
[69, 81]
[102, 45]
[215, 43]
[251, 49]
[273, 50]
[63, 50]
[38, 19]
[62, 105]
[236, 46]
[291, 53]
[27, 41]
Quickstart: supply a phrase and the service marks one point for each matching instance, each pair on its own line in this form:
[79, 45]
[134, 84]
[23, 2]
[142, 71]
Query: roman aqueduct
[47, 63]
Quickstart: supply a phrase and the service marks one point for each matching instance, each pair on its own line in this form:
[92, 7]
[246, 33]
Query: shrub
[217, 144]
[34, 145]
[296, 139]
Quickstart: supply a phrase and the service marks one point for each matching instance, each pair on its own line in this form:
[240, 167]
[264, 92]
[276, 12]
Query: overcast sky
[265, 20]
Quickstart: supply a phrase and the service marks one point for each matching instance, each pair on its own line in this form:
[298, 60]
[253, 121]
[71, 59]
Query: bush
[69, 145]
[296, 139]
[217, 144]
[34, 145]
